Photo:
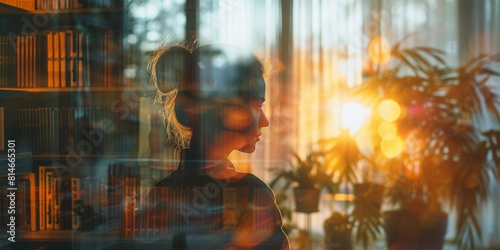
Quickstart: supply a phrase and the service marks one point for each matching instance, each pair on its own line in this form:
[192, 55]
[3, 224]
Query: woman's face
[258, 120]
[244, 122]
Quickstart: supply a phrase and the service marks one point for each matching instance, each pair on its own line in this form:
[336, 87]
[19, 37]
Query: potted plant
[307, 178]
[353, 170]
[445, 157]
[338, 229]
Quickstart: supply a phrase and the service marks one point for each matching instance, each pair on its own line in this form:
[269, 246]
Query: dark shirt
[237, 208]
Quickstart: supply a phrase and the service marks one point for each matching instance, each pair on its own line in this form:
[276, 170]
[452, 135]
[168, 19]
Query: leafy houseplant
[344, 160]
[447, 157]
[307, 178]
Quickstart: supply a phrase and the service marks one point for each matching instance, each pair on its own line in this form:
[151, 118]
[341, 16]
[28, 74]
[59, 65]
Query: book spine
[57, 203]
[57, 60]
[32, 201]
[41, 198]
[75, 195]
[50, 60]
[63, 59]
[49, 200]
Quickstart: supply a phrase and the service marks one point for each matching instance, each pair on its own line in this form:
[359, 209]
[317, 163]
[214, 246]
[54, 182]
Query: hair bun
[170, 67]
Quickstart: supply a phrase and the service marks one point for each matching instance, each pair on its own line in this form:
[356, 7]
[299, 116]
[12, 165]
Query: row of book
[113, 196]
[49, 198]
[68, 58]
[72, 130]
[60, 4]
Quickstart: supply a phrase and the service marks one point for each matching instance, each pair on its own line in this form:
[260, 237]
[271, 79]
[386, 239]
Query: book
[57, 203]
[26, 201]
[57, 59]
[75, 196]
[55, 172]
[63, 59]
[41, 198]
[50, 60]
[49, 199]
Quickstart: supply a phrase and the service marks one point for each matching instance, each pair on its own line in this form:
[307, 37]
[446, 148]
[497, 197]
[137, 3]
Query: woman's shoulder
[255, 181]
[227, 178]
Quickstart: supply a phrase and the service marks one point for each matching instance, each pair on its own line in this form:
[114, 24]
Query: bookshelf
[74, 121]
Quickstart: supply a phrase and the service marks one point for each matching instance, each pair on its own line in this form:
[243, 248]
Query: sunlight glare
[353, 115]
[379, 50]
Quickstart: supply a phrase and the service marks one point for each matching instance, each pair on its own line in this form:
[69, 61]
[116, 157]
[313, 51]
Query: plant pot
[337, 232]
[306, 200]
[404, 231]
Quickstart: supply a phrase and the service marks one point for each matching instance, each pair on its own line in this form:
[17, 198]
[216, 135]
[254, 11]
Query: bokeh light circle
[389, 110]
[391, 146]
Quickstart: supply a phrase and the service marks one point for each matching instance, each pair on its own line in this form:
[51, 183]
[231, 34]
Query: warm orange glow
[353, 115]
[387, 129]
[391, 146]
[413, 171]
[236, 118]
[340, 197]
[344, 197]
[389, 110]
[379, 50]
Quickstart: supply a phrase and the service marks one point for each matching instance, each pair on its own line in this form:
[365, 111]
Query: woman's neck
[196, 158]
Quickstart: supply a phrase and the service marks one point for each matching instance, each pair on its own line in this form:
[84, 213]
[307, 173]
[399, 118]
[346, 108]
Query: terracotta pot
[306, 200]
[404, 231]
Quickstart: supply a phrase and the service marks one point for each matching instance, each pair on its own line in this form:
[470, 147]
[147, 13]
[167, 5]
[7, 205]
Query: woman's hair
[200, 79]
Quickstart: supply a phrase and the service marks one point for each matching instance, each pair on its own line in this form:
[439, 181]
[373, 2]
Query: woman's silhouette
[212, 100]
